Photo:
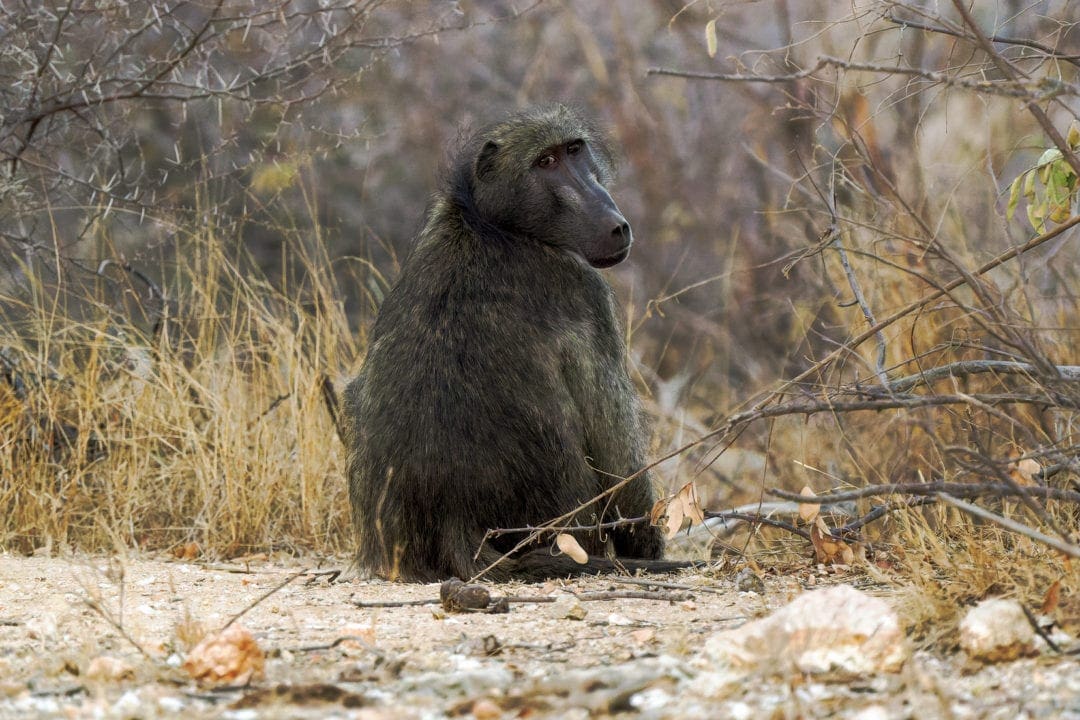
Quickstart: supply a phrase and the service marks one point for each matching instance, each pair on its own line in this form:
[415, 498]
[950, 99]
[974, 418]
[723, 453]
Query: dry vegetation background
[202, 204]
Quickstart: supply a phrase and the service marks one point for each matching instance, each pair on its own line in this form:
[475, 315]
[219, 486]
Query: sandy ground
[627, 657]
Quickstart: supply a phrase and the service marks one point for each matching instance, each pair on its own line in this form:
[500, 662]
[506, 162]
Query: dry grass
[210, 430]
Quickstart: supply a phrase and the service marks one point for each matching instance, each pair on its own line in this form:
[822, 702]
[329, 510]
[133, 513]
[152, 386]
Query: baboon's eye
[547, 160]
[574, 147]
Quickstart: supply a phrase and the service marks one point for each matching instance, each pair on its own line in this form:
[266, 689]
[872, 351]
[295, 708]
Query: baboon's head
[542, 174]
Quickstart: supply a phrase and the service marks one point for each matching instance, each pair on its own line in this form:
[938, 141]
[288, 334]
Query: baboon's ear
[485, 161]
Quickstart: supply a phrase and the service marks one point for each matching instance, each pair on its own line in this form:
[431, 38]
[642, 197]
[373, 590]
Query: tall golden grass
[203, 425]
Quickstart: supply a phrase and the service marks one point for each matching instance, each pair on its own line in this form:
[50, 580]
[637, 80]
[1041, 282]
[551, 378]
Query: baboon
[495, 392]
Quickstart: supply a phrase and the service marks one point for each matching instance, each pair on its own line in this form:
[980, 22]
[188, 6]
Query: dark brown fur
[495, 391]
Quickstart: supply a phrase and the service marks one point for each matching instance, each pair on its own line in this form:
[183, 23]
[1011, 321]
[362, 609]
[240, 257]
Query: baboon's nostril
[622, 230]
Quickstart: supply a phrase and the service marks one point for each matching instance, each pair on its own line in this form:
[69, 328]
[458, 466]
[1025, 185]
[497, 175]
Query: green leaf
[1048, 156]
[710, 37]
[1029, 185]
[1035, 216]
[1014, 197]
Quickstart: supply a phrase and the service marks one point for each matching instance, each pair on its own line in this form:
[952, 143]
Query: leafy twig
[1009, 71]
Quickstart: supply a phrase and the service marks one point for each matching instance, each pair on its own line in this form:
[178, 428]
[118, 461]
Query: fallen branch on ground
[456, 596]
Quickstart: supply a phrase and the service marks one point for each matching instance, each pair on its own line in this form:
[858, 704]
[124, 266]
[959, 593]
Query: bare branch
[971, 490]
[1005, 40]
[1031, 91]
[1060, 545]
[962, 368]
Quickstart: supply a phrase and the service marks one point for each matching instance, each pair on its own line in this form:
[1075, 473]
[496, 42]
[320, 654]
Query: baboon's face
[554, 194]
[583, 217]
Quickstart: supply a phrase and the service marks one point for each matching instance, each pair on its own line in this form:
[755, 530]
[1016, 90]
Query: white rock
[128, 706]
[835, 633]
[872, 712]
[996, 630]
[171, 704]
[717, 685]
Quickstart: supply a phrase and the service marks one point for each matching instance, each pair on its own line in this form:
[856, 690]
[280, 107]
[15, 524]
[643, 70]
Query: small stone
[484, 709]
[567, 606]
[357, 636]
[108, 669]
[749, 581]
[456, 596]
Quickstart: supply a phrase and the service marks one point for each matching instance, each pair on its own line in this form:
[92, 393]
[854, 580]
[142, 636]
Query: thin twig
[583, 596]
[853, 527]
[932, 488]
[646, 582]
[1059, 545]
[117, 626]
[974, 367]
[1023, 89]
[755, 519]
[262, 597]
[634, 595]
[1034, 622]
[394, 603]
[362, 641]
[868, 314]
[1004, 39]
[545, 529]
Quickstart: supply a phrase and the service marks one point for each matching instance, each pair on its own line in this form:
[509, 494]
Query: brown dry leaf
[808, 512]
[1024, 471]
[658, 512]
[1052, 598]
[683, 505]
[230, 657]
[827, 549]
[674, 517]
[569, 545]
[691, 506]
[187, 551]
[360, 635]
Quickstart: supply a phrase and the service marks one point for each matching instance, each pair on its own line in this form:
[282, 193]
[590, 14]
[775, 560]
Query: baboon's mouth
[608, 261]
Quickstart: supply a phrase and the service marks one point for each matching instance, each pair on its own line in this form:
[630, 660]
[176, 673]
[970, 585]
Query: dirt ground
[627, 657]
